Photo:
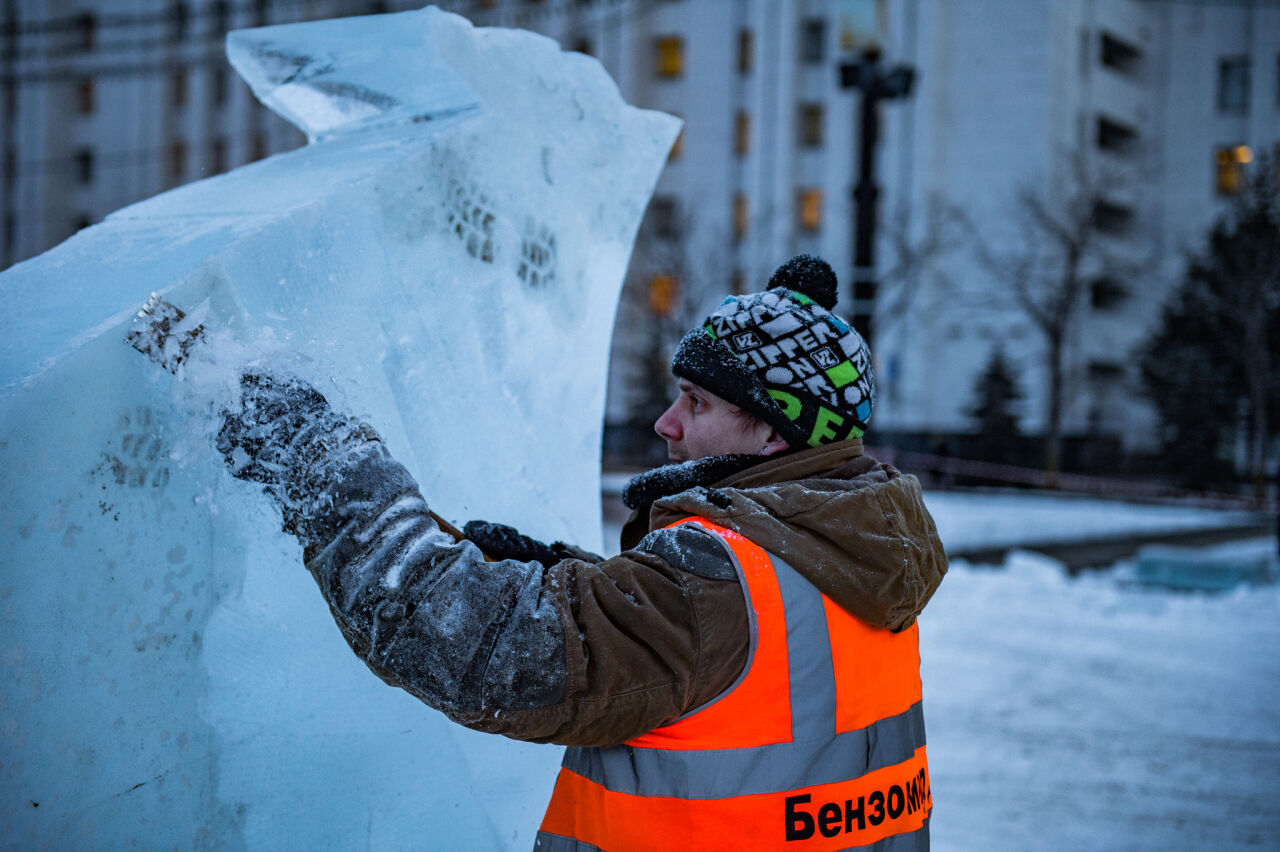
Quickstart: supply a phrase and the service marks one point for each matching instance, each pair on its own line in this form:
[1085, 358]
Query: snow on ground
[1083, 714]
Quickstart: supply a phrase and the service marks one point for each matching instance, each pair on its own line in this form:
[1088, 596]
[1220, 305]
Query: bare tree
[1064, 247]
[916, 254]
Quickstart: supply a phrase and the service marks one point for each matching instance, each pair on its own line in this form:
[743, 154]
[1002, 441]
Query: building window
[218, 155]
[218, 86]
[221, 16]
[86, 103]
[664, 217]
[746, 51]
[86, 29]
[810, 208]
[663, 291]
[1233, 84]
[84, 166]
[741, 216]
[1106, 293]
[1119, 55]
[1115, 137]
[742, 133]
[1111, 217]
[811, 121]
[813, 41]
[178, 88]
[669, 56]
[1230, 161]
[179, 20]
[177, 159]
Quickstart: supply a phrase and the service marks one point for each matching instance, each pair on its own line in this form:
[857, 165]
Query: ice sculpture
[444, 259]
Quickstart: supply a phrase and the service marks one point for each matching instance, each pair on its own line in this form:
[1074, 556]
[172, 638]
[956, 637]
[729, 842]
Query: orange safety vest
[818, 745]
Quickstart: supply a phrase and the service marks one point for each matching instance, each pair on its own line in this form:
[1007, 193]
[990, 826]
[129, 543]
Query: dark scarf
[670, 479]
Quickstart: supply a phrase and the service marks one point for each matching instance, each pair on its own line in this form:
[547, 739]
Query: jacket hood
[855, 528]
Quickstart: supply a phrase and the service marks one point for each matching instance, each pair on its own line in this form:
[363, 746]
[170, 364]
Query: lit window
[86, 103]
[1231, 161]
[663, 290]
[813, 41]
[811, 120]
[1233, 84]
[741, 215]
[742, 132]
[669, 56]
[746, 51]
[810, 209]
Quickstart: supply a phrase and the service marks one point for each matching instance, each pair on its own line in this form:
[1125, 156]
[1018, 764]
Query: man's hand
[287, 437]
[499, 541]
[256, 440]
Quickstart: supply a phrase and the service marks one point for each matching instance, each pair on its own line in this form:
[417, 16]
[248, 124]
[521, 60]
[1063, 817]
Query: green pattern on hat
[843, 373]
[791, 407]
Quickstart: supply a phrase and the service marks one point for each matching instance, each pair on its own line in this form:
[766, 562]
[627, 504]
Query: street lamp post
[876, 82]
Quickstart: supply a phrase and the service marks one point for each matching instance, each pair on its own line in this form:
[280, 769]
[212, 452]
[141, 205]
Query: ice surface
[444, 260]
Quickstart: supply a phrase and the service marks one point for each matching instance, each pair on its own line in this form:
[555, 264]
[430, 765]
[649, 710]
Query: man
[744, 674]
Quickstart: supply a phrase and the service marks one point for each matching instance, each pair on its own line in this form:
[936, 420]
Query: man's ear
[774, 443]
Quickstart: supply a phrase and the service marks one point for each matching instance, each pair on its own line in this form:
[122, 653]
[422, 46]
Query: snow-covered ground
[1085, 714]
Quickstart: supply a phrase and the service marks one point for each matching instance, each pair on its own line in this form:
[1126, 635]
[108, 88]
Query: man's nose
[668, 426]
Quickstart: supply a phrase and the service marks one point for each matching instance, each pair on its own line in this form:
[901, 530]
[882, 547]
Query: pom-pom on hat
[784, 357]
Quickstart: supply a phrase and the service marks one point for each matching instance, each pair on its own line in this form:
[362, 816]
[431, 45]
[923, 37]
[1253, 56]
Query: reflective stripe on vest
[819, 745]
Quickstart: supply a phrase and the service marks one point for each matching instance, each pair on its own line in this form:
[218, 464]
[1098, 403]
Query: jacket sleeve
[579, 653]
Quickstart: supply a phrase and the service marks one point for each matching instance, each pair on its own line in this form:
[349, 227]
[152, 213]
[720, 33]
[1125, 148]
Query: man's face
[700, 424]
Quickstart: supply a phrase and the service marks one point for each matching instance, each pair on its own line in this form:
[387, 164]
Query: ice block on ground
[444, 259]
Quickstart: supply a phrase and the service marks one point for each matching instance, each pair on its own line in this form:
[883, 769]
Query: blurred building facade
[1018, 106]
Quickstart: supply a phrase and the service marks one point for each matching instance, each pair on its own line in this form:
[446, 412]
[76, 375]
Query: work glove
[499, 541]
[287, 437]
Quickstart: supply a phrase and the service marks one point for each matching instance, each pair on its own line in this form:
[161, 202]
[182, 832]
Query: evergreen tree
[1215, 355]
[996, 394]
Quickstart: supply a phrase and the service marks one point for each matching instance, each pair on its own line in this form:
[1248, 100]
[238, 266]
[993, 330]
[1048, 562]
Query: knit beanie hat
[782, 356]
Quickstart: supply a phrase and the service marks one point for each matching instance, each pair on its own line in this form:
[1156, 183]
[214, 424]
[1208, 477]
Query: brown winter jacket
[595, 653]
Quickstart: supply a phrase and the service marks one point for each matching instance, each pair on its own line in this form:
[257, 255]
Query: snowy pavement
[1082, 714]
